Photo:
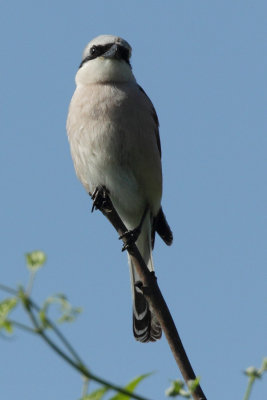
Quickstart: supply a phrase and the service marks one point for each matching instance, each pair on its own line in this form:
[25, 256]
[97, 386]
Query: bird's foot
[143, 289]
[130, 238]
[101, 200]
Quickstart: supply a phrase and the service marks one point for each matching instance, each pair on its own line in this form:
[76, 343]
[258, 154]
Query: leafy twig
[57, 332]
[254, 373]
[30, 306]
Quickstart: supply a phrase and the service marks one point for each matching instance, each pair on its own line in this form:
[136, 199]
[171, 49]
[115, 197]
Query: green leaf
[193, 384]
[96, 394]
[68, 312]
[35, 259]
[130, 387]
[175, 388]
[6, 306]
[7, 325]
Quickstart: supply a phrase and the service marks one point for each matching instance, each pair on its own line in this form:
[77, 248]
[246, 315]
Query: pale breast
[112, 137]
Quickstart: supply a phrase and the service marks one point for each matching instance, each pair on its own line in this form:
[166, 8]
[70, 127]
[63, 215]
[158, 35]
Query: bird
[113, 132]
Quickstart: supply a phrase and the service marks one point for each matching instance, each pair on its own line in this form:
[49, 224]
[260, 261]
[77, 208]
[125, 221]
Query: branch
[58, 333]
[79, 367]
[156, 300]
[49, 323]
[29, 305]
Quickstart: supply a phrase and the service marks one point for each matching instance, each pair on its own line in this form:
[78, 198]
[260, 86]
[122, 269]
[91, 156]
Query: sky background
[203, 64]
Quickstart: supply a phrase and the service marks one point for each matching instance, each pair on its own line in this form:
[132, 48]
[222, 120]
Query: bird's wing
[160, 224]
[155, 118]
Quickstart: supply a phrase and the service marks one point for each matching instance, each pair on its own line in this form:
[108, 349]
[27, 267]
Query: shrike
[113, 132]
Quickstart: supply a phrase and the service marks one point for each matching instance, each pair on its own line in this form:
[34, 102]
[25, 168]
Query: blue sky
[204, 65]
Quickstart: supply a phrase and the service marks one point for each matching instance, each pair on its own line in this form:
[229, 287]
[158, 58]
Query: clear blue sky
[203, 64]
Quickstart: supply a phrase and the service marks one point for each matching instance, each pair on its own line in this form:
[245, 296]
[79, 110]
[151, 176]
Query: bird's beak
[113, 52]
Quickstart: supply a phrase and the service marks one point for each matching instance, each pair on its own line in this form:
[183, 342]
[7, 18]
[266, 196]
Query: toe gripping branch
[131, 236]
[101, 200]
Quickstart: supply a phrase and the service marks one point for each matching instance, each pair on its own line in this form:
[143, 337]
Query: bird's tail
[146, 327]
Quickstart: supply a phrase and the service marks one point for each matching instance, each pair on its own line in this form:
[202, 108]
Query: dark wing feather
[155, 118]
[160, 224]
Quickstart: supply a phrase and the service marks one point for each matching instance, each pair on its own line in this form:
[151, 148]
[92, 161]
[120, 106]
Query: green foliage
[177, 388]
[68, 313]
[39, 319]
[130, 387]
[193, 384]
[254, 373]
[96, 394]
[35, 260]
[6, 306]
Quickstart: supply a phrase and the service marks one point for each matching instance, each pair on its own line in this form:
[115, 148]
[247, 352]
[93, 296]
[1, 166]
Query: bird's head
[105, 59]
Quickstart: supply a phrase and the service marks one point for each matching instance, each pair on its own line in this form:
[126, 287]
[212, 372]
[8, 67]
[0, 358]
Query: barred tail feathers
[146, 327]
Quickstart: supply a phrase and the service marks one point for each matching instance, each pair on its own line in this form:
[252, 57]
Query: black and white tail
[146, 327]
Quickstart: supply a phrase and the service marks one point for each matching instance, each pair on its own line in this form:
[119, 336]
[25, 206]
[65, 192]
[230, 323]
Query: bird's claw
[130, 237]
[100, 199]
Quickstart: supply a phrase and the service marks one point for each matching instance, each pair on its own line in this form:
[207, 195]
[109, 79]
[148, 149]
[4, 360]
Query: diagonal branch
[58, 333]
[155, 299]
[28, 305]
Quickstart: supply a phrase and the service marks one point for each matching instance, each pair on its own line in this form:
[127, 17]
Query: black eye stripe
[97, 51]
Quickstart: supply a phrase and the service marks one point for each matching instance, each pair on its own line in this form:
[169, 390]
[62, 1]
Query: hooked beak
[113, 52]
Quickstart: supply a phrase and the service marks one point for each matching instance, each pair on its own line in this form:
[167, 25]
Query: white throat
[103, 70]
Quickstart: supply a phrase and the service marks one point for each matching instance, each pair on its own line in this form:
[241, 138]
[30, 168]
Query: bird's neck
[102, 70]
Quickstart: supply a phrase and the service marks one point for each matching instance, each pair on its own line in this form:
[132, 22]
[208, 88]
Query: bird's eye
[93, 50]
